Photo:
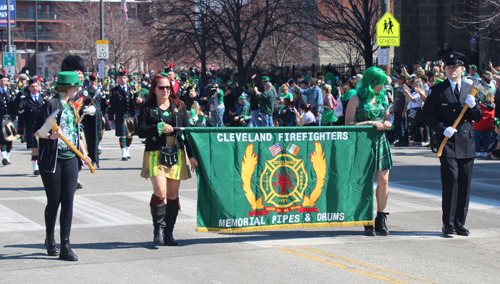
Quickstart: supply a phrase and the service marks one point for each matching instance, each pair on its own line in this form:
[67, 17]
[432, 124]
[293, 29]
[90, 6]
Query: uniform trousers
[60, 188]
[456, 175]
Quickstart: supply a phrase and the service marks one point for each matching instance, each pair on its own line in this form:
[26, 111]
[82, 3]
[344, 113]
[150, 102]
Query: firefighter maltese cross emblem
[284, 185]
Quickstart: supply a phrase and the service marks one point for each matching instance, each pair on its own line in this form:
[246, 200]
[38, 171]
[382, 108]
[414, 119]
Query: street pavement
[112, 233]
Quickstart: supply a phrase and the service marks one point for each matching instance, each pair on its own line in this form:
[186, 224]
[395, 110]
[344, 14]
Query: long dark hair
[152, 96]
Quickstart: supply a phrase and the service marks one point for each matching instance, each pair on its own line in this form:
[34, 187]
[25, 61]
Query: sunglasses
[163, 87]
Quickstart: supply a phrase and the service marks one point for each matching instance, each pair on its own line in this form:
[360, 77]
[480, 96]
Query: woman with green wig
[369, 107]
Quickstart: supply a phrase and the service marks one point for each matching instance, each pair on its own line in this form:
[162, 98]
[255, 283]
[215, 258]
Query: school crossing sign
[388, 31]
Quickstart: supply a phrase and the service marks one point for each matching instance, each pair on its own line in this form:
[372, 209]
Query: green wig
[372, 77]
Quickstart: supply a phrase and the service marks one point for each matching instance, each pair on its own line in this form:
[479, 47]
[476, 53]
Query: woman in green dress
[370, 107]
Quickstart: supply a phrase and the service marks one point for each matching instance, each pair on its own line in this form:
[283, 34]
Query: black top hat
[454, 58]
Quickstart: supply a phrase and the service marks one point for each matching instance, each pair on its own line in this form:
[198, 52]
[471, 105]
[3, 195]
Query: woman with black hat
[164, 160]
[59, 164]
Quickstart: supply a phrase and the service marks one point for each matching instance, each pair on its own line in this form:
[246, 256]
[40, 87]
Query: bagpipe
[8, 129]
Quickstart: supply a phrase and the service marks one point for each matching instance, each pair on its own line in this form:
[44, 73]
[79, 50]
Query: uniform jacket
[440, 111]
[120, 102]
[28, 111]
[48, 148]
[150, 116]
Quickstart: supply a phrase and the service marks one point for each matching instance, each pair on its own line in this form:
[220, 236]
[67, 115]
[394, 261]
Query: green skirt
[328, 116]
[383, 156]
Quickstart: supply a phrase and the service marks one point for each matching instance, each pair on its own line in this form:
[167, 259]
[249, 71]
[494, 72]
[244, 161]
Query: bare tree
[82, 29]
[481, 18]
[352, 22]
[181, 32]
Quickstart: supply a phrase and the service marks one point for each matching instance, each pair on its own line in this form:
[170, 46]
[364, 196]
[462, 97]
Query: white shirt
[417, 98]
[34, 97]
[124, 88]
[453, 85]
[308, 117]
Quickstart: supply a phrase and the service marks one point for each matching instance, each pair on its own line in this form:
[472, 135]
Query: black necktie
[457, 92]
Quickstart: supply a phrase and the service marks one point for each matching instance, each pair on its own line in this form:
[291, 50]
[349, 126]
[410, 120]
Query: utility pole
[386, 7]
[101, 65]
[9, 48]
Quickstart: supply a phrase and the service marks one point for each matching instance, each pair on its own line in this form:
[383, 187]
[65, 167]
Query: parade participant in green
[58, 164]
[242, 114]
[328, 118]
[369, 107]
[166, 166]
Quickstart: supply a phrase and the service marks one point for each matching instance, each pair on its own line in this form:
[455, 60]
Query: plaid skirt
[151, 166]
[383, 156]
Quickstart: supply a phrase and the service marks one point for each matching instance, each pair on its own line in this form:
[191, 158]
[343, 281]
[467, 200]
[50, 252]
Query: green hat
[473, 67]
[242, 97]
[319, 73]
[265, 79]
[67, 79]
[438, 81]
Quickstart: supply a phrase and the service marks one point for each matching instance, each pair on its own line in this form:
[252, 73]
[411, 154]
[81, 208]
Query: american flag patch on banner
[275, 149]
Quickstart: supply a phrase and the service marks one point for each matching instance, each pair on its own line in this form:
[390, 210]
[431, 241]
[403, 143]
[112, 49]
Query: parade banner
[259, 179]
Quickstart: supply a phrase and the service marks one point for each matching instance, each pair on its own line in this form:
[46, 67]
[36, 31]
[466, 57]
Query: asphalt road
[112, 233]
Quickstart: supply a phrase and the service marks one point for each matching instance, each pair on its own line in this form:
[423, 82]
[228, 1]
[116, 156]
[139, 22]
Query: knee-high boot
[172, 211]
[158, 214]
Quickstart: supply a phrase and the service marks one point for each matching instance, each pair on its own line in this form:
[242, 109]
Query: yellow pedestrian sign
[388, 31]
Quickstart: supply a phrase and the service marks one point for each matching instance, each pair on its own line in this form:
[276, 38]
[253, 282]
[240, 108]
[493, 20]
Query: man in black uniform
[442, 107]
[29, 107]
[121, 109]
[7, 112]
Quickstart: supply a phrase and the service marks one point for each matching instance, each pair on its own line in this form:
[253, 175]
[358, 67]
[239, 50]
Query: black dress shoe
[79, 185]
[5, 162]
[50, 244]
[36, 173]
[66, 252]
[124, 159]
[462, 231]
[128, 157]
[369, 231]
[448, 229]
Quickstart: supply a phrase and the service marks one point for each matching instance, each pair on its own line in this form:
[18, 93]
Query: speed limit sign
[102, 49]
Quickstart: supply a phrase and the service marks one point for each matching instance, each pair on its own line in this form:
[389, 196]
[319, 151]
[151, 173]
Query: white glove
[89, 110]
[471, 101]
[449, 132]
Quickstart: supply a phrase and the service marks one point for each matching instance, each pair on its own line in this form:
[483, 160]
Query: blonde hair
[489, 98]
[327, 88]
[197, 109]
[284, 87]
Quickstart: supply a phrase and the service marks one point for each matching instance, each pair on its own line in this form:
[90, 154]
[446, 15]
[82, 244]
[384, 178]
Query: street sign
[382, 56]
[388, 31]
[102, 49]
[102, 72]
[9, 63]
[3, 13]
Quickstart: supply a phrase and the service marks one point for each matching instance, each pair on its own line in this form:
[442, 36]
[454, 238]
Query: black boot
[50, 244]
[158, 214]
[170, 217]
[369, 231]
[66, 252]
[380, 223]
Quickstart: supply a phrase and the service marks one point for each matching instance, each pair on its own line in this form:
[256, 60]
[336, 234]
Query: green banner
[256, 179]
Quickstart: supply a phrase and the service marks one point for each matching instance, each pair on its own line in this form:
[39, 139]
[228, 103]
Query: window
[40, 28]
[31, 12]
[39, 8]
[47, 8]
[48, 28]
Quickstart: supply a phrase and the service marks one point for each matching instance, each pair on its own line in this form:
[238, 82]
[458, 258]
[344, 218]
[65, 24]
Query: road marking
[188, 205]
[367, 265]
[476, 203]
[340, 265]
[98, 214]
[11, 221]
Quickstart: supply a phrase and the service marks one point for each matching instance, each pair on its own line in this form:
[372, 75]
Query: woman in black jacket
[58, 164]
[157, 117]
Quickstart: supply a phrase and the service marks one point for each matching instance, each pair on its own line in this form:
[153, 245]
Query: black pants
[60, 188]
[456, 175]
